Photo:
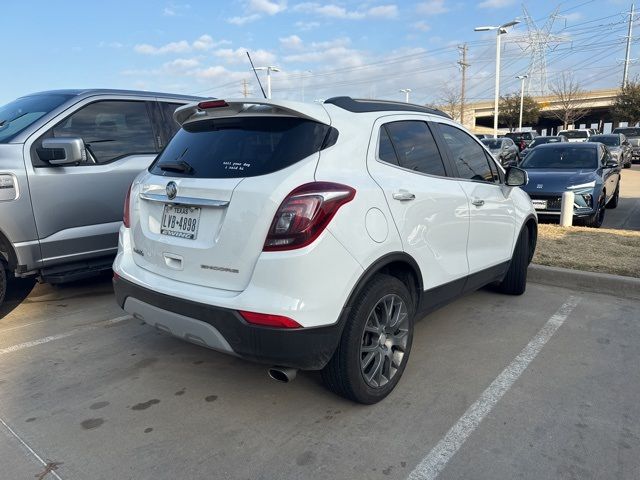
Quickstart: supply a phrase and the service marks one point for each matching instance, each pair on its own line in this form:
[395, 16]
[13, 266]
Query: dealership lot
[107, 397]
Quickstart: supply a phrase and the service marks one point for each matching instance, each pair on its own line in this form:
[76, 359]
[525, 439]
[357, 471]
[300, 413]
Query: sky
[364, 48]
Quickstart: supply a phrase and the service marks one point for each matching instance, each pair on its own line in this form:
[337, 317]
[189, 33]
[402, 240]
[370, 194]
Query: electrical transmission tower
[538, 41]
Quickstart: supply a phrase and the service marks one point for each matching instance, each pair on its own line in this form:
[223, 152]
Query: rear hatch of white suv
[202, 212]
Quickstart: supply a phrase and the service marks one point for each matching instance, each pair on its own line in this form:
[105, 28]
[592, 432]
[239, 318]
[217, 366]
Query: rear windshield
[516, 137]
[240, 147]
[21, 113]
[561, 157]
[574, 134]
[609, 141]
[629, 132]
[542, 140]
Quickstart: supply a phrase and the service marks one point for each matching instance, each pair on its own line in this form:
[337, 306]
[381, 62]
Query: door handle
[478, 203]
[404, 196]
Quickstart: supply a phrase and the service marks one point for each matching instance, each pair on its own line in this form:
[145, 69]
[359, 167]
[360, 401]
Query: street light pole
[406, 92]
[522, 78]
[501, 29]
[269, 69]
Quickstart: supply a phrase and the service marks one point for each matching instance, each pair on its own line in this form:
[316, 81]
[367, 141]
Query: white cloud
[174, 9]
[203, 43]
[421, 26]
[242, 20]
[255, 9]
[180, 64]
[336, 11]
[266, 6]
[304, 26]
[292, 42]
[432, 7]
[239, 55]
[211, 72]
[496, 3]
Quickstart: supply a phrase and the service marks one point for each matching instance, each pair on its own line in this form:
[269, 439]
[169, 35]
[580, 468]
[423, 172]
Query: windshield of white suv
[240, 147]
[574, 134]
[21, 113]
[561, 157]
[629, 132]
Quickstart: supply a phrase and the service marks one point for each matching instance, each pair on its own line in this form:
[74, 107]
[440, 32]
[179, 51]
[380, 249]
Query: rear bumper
[225, 330]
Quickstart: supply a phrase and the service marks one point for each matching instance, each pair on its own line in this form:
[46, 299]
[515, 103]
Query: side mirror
[611, 164]
[516, 177]
[68, 150]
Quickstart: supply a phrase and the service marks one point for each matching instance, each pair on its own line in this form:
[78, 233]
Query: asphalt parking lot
[540, 386]
[627, 215]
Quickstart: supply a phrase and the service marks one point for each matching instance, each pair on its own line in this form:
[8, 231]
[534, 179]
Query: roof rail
[358, 105]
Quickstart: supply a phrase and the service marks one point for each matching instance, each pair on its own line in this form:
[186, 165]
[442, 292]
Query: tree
[509, 110]
[449, 102]
[626, 107]
[569, 93]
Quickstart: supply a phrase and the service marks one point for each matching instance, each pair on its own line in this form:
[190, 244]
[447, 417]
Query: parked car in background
[632, 134]
[311, 236]
[67, 158]
[482, 136]
[522, 139]
[577, 135]
[541, 141]
[587, 169]
[503, 150]
[618, 145]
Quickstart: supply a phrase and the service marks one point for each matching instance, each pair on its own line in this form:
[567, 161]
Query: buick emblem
[172, 190]
[539, 186]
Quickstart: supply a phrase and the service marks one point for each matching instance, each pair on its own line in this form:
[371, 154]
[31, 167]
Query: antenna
[256, 73]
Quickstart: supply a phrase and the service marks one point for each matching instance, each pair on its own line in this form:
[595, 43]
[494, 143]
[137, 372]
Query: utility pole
[269, 69]
[463, 66]
[245, 90]
[627, 60]
[406, 92]
[522, 78]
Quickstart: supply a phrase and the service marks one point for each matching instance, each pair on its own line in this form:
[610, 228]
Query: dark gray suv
[67, 158]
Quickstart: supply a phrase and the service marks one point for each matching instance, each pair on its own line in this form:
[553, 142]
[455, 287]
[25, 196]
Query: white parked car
[311, 236]
[577, 135]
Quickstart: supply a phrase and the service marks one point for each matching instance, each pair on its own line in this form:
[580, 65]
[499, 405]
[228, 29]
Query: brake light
[126, 216]
[305, 213]
[268, 320]
[212, 104]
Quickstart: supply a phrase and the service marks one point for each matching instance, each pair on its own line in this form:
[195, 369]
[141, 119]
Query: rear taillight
[126, 215]
[212, 104]
[268, 320]
[305, 213]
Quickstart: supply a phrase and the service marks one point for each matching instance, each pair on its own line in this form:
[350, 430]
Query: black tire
[596, 220]
[613, 203]
[626, 164]
[3, 281]
[515, 281]
[345, 374]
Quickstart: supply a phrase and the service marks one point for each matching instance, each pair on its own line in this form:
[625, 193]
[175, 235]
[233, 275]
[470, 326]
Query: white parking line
[31, 450]
[3, 330]
[51, 338]
[431, 465]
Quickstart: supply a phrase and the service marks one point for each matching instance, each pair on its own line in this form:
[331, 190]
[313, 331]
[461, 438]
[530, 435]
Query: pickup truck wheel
[375, 344]
[515, 281]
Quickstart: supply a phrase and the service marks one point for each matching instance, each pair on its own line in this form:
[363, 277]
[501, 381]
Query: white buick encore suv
[310, 236]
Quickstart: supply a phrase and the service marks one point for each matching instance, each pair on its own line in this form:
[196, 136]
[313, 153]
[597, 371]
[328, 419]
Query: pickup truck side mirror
[516, 177]
[69, 150]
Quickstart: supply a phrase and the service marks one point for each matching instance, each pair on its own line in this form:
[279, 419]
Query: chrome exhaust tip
[283, 374]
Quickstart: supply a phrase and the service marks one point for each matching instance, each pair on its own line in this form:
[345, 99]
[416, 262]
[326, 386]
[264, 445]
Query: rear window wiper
[179, 166]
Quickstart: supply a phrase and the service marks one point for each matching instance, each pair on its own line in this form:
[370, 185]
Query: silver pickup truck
[67, 158]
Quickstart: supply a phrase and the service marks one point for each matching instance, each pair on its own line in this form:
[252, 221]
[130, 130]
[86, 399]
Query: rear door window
[240, 147]
[414, 146]
[170, 125]
[468, 156]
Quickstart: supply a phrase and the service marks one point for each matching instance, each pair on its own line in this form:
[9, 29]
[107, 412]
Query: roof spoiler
[218, 108]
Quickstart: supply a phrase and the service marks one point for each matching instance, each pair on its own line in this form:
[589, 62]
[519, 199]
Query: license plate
[180, 221]
[539, 204]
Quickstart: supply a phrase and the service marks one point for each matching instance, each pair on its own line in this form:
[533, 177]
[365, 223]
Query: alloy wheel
[384, 340]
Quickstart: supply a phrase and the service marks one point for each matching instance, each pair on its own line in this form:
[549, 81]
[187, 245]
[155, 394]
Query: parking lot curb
[617, 285]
